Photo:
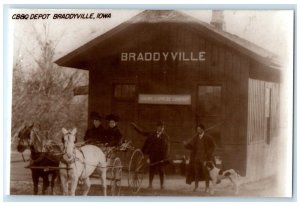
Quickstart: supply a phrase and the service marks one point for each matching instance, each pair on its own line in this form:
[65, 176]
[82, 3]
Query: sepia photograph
[151, 102]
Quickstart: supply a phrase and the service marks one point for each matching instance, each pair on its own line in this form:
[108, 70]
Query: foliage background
[43, 94]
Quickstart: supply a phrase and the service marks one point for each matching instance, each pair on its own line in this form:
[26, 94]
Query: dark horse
[44, 153]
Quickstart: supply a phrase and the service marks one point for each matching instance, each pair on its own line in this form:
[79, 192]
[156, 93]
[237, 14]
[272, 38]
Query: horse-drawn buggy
[78, 163]
[124, 162]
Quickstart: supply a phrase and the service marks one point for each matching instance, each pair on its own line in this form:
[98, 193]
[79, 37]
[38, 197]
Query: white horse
[80, 164]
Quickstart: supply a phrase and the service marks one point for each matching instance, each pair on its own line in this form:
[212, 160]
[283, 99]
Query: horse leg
[57, 185]
[74, 185]
[64, 182]
[102, 171]
[86, 186]
[52, 183]
[35, 179]
[45, 183]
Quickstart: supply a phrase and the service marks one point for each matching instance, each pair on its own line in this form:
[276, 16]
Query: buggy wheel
[136, 171]
[116, 177]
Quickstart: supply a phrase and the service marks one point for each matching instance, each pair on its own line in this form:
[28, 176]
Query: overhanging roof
[78, 57]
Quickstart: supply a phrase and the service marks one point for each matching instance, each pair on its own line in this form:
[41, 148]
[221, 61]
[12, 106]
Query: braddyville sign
[163, 56]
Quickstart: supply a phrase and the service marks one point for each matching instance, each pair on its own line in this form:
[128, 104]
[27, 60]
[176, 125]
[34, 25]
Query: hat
[95, 116]
[201, 126]
[113, 117]
[160, 123]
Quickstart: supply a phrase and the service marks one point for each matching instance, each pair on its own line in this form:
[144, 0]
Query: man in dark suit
[96, 133]
[202, 148]
[157, 147]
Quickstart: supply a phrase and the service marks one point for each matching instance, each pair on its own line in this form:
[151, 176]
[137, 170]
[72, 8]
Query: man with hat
[113, 136]
[202, 149]
[96, 132]
[157, 147]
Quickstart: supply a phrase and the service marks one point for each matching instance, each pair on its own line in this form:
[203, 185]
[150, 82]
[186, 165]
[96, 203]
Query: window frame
[123, 97]
[220, 113]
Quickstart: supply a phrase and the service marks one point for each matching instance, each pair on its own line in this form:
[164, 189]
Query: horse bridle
[24, 140]
[72, 159]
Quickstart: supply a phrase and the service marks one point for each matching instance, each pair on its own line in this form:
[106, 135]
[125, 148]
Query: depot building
[165, 65]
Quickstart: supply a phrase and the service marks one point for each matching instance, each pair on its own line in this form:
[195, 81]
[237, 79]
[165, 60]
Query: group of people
[110, 136]
[157, 147]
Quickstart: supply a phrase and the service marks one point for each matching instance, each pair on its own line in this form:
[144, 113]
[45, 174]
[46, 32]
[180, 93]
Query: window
[209, 109]
[124, 91]
[209, 100]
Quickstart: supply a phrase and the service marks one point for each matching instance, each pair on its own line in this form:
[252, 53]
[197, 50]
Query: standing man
[157, 147]
[113, 136]
[96, 132]
[202, 148]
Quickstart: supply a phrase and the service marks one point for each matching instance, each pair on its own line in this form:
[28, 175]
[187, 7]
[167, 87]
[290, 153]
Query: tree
[46, 96]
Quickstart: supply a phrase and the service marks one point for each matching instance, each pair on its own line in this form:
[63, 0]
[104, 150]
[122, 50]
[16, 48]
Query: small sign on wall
[174, 99]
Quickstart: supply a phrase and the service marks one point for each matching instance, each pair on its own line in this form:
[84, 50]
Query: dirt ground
[175, 186]
[21, 184]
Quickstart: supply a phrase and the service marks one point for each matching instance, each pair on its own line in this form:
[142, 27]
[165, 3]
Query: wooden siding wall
[275, 108]
[234, 133]
[257, 125]
[256, 111]
[261, 155]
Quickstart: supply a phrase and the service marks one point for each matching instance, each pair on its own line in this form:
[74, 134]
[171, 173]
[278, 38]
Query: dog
[217, 175]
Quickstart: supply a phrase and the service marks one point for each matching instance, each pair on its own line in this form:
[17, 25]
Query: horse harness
[73, 160]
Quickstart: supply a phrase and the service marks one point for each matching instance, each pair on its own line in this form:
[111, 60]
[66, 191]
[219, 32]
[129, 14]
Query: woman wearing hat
[113, 136]
[157, 147]
[96, 132]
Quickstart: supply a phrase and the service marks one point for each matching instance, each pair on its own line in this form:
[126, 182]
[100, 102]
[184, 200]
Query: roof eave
[71, 59]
